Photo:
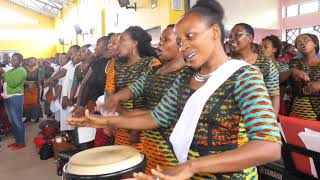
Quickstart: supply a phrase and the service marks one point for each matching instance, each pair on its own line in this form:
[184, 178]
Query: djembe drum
[109, 162]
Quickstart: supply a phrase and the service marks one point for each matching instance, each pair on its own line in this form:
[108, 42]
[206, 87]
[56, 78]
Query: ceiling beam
[49, 4]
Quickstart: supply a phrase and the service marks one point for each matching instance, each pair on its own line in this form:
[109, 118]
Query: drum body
[122, 165]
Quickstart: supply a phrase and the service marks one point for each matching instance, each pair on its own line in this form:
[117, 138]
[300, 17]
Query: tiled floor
[25, 164]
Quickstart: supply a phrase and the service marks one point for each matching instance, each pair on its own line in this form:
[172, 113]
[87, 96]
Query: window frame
[299, 8]
[296, 32]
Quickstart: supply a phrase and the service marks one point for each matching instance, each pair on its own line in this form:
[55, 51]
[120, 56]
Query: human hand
[47, 83]
[312, 88]
[298, 74]
[111, 103]
[78, 111]
[65, 102]
[181, 172]
[89, 120]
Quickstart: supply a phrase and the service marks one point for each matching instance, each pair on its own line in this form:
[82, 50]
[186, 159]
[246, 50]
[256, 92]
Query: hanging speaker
[77, 28]
[124, 3]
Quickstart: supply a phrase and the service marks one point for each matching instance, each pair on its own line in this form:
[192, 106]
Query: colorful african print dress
[31, 106]
[303, 106]
[284, 87]
[153, 86]
[270, 74]
[281, 66]
[238, 111]
[124, 76]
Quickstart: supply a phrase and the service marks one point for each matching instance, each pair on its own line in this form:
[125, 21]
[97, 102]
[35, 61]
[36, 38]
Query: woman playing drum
[221, 130]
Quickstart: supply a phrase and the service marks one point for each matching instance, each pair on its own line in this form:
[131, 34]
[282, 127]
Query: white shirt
[55, 67]
[66, 67]
[68, 78]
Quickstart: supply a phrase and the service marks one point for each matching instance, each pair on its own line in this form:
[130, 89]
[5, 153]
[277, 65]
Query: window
[293, 10]
[317, 28]
[292, 34]
[306, 30]
[309, 7]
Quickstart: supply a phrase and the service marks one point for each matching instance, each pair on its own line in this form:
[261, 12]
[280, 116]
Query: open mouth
[189, 58]
[159, 52]
[302, 47]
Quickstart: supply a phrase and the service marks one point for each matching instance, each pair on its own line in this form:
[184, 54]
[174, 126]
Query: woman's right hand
[111, 103]
[299, 74]
[47, 83]
[89, 120]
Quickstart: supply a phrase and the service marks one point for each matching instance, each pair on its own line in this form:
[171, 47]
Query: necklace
[202, 78]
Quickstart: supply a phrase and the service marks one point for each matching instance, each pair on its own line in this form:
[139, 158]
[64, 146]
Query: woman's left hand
[181, 172]
[89, 120]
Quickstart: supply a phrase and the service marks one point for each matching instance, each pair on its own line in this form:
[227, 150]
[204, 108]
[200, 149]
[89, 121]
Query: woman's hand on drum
[89, 120]
[181, 172]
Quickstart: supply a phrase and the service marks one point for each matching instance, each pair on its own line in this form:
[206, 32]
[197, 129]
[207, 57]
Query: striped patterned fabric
[239, 111]
[305, 107]
[122, 138]
[124, 76]
[281, 66]
[270, 74]
[153, 86]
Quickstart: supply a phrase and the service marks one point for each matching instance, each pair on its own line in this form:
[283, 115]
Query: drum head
[104, 160]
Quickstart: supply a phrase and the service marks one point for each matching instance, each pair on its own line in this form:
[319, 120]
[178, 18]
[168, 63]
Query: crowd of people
[196, 105]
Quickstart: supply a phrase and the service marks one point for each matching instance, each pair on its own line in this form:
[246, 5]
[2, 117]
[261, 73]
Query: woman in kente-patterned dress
[135, 56]
[241, 38]
[305, 77]
[271, 47]
[153, 85]
[219, 149]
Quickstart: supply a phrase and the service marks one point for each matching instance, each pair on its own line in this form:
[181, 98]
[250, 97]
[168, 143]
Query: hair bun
[211, 5]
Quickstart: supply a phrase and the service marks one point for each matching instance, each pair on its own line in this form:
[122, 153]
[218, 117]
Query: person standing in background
[5, 126]
[304, 73]
[96, 76]
[32, 107]
[66, 89]
[241, 38]
[81, 71]
[13, 89]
